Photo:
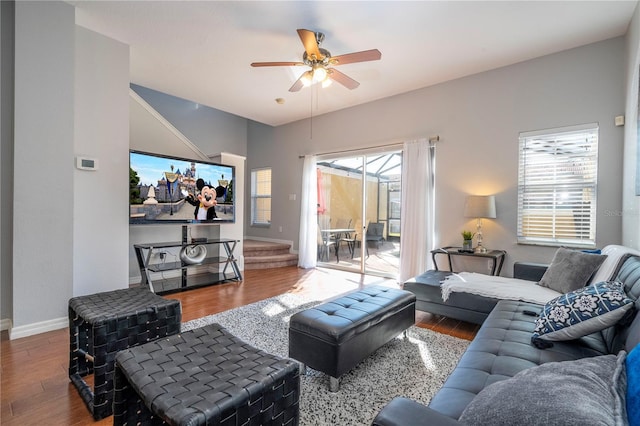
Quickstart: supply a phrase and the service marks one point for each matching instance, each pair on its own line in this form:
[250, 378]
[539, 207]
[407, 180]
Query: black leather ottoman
[205, 376]
[336, 336]
[102, 324]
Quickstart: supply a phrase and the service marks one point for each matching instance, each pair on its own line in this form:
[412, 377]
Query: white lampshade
[319, 74]
[480, 206]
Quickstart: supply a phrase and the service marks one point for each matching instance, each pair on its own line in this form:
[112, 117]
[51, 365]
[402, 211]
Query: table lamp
[480, 207]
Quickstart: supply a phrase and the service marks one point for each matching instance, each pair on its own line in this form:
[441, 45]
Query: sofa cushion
[581, 312]
[570, 270]
[616, 255]
[542, 395]
[463, 306]
[501, 349]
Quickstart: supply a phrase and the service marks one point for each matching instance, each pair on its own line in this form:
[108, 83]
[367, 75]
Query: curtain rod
[431, 140]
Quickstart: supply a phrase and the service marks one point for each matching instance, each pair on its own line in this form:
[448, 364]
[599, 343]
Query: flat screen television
[169, 190]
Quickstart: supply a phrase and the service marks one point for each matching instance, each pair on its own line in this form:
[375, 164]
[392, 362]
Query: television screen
[164, 189]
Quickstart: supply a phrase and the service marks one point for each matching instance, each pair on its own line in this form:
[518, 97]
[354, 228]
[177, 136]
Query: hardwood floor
[35, 388]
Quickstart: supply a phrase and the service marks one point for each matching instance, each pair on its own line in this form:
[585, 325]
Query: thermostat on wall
[85, 163]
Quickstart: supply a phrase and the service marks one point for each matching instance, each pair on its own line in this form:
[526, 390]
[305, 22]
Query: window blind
[261, 197]
[557, 182]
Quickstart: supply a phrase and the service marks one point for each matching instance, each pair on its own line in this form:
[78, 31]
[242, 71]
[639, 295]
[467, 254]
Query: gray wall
[71, 98]
[478, 119]
[43, 164]
[101, 201]
[631, 209]
[7, 11]
[209, 130]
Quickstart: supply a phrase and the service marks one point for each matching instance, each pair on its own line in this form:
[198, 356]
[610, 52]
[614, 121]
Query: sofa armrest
[529, 271]
[403, 412]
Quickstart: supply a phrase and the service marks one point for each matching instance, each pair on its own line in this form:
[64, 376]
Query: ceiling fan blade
[343, 79]
[276, 64]
[349, 58]
[310, 44]
[299, 84]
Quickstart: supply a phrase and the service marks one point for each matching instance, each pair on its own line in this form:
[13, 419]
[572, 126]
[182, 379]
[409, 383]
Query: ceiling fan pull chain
[311, 117]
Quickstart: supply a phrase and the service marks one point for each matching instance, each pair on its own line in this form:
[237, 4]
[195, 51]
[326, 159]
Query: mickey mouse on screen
[205, 201]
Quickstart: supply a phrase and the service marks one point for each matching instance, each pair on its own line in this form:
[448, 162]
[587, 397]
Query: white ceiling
[201, 50]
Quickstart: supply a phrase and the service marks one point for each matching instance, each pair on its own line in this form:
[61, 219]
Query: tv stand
[149, 264]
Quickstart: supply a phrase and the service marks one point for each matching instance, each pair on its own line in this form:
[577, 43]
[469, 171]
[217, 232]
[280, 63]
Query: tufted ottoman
[206, 376]
[337, 335]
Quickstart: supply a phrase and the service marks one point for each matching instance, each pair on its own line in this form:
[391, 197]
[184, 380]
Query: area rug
[414, 367]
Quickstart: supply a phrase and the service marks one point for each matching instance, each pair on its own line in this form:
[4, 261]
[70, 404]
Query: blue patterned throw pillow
[581, 312]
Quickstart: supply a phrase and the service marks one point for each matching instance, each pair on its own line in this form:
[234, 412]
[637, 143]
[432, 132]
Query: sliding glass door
[359, 212]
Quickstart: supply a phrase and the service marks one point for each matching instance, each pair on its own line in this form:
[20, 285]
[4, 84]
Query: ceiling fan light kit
[320, 60]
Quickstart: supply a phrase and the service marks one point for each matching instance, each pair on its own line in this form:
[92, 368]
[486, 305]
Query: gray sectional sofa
[474, 308]
[503, 378]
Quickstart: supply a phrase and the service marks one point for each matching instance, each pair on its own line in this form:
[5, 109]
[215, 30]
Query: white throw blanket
[496, 287]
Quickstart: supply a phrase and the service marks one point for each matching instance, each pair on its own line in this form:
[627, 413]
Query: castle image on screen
[164, 189]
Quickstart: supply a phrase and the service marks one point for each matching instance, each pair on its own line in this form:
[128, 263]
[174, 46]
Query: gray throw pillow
[587, 391]
[570, 270]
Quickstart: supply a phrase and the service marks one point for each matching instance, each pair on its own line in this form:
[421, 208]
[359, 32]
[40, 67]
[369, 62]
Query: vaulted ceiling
[202, 50]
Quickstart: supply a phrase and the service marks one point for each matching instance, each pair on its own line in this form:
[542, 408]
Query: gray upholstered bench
[337, 335]
[206, 376]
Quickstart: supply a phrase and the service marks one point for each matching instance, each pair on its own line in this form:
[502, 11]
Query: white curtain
[308, 242]
[417, 208]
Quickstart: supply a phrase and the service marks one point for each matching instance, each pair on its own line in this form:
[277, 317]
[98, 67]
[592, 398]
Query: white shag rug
[415, 367]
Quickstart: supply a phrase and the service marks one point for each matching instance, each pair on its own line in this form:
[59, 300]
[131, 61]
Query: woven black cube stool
[102, 324]
[205, 376]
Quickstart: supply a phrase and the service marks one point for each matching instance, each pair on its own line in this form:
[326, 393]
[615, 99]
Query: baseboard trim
[38, 327]
[5, 324]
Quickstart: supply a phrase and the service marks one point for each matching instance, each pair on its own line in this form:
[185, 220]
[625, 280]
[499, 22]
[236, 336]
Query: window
[557, 179]
[261, 197]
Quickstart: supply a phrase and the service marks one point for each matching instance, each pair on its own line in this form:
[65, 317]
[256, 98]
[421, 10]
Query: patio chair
[356, 239]
[324, 245]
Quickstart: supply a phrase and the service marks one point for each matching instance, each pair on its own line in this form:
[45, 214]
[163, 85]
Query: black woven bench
[102, 324]
[206, 376]
[337, 335]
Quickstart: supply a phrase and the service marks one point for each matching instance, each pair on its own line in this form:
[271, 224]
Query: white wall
[235, 231]
[478, 119]
[630, 211]
[100, 237]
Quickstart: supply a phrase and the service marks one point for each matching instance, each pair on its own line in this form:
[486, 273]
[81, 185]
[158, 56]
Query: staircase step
[266, 254]
[250, 246]
[274, 261]
[266, 251]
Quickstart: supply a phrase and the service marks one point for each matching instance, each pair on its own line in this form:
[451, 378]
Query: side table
[496, 256]
[102, 324]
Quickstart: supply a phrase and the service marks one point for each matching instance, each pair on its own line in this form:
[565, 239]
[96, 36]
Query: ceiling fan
[321, 61]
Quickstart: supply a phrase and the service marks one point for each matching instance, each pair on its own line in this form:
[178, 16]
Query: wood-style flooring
[35, 388]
